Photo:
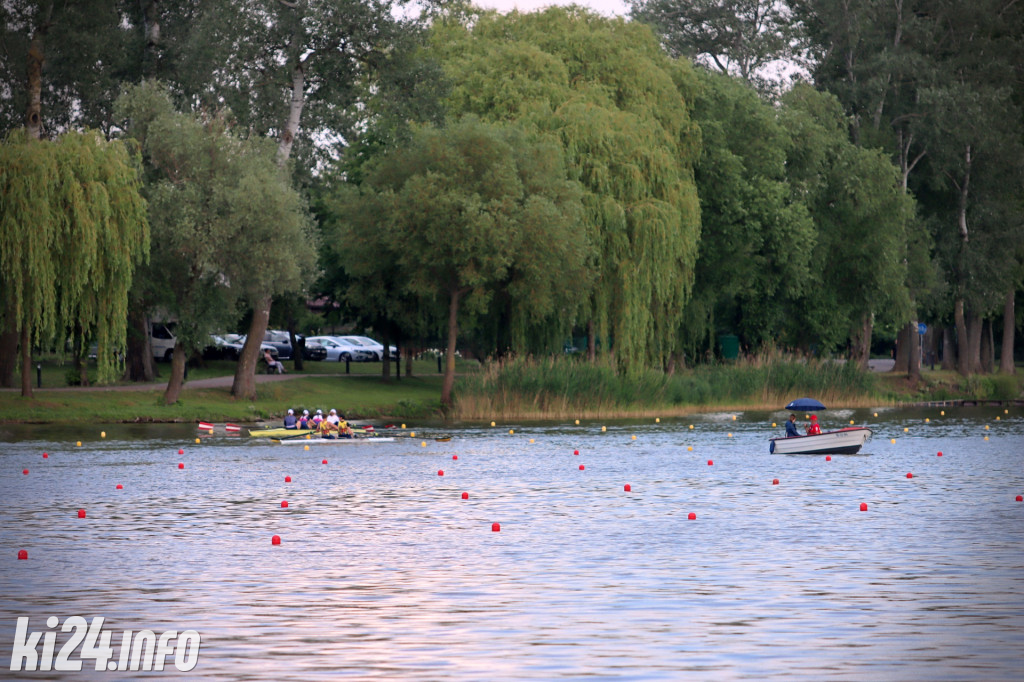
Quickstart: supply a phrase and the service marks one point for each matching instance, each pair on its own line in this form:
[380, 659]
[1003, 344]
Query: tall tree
[473, 197]
[752, 39]
[72, 231]
[227, 226]
[620, 110]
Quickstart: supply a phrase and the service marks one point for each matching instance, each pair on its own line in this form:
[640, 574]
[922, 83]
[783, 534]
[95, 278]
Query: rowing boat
[846, 441]
[331, 441]
[294, 433]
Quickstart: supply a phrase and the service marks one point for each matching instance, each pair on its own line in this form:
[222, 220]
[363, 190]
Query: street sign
[921, 328]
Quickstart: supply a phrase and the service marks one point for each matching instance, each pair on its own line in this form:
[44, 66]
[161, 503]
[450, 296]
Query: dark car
[311, 350]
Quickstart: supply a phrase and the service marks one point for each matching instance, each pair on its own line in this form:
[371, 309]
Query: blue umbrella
[805, 405]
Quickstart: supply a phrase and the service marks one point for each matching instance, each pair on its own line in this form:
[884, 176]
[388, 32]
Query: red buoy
[119, 487]
[495, 527]
[711, 462]
[324, 462]
[575, 452]
[828, 458]
[1020, 498]
[440, 472]
[863, 506]
[581, 467]
[284, 504]
[180, 451]
[276, 540]
[940, 453]
[775, 481]
[287, 479]
[22, 553]
[465, 496]
[24, 472]
[455, 456]
[910, 475]
[81, 513]
[691, 516]
[45, 456]
[627, 488]
[181, 465]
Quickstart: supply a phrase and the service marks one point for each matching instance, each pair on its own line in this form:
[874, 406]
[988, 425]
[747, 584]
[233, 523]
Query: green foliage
[73, 229]
[620, 110]
[566, 387]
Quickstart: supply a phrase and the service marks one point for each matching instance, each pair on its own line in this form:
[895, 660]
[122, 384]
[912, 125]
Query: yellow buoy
[634, 437]
[492, 423]
[730, 435]
[511, 431]
[689, 448]
[927, 420]
[691, 426]
[774, 425]
[577, 422]
[403, 426]
[906, 430]
[197, 440]
[412, 434]
[308, 436]
[79, 443]
[1006, 412]
[605, 428]
[893, 441]
[103, 434]
[998, 417]
[734, 417]
[986, 437]
[305, 447]
[423, 443]
[657, 420]
[986, 428]
[210, 432]
[851, 421]
[876, 414]
[942, 413]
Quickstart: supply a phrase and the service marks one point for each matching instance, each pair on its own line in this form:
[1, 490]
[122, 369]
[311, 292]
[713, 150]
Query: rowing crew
[331, 426]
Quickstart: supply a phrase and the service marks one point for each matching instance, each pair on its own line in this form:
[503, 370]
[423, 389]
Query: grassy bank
[360, 397]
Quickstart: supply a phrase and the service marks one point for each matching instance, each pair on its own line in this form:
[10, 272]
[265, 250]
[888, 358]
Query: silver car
[340, 350]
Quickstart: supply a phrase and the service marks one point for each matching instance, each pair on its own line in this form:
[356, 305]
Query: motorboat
[846, 441]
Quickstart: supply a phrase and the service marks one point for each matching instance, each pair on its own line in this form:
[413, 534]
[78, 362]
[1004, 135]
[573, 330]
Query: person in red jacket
[813, 429]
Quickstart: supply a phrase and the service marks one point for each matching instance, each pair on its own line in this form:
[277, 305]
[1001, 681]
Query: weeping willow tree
[620, 111]
[72, 230]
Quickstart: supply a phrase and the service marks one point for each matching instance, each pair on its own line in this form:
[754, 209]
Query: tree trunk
[948, 349]
[449, 365]
[244, 385]
[963, 356]
[297, 359]
[298, 101]
[177, 379]
[26, 363]
[861, 341]
[34, 81]
[139, 350]
[988, 351]
[409, 354]
[1009, 321]
[913, 352]
[385, 359]
[931, 343]
[591, 342]
[398, 359]
[8, 346]
[974, 324]
[903, 339]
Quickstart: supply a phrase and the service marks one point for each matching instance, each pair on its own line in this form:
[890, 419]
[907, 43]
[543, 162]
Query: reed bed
[561, 388]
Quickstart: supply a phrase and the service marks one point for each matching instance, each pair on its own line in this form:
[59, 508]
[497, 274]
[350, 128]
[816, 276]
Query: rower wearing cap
[813, 429]
[304, 420]
[289, 419]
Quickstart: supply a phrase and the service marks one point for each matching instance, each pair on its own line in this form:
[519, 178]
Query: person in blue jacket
[289, 419]
[791, 427]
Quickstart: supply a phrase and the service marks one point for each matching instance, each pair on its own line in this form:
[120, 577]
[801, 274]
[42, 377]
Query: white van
[161, 338]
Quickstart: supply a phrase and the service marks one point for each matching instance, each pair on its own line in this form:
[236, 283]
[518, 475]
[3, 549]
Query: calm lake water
[385, 572]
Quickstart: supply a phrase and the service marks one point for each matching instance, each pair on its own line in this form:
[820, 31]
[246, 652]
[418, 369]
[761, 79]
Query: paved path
[213, 382]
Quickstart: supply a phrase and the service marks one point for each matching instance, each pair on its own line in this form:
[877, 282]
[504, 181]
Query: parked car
[162, 340]
[231, 346]
[313, 350]
[375, 346]
[339, 350]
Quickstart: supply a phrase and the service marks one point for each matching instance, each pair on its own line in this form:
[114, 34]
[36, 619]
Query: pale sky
[605, 7]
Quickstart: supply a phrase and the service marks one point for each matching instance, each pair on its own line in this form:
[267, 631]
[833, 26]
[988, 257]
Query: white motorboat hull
[846, 441]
